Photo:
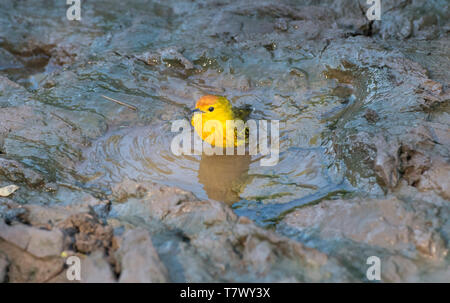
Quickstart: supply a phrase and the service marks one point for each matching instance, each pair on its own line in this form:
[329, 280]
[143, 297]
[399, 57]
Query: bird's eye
[211, 109]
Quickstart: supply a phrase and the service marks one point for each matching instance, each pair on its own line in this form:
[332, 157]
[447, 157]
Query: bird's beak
[196, 110]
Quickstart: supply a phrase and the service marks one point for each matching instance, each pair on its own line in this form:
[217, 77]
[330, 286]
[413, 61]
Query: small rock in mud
[24, 267]
[96, 269]
[33, 254]
[16, 234]
[371, 116]
[417, 157]
[425, 172]
[425, 159]
[128, 189]
[38, 215]
[87, 232]
[432, 94]
[8, 190]
[45, 243]
[38, 242]
[138, 259]
[270, 46]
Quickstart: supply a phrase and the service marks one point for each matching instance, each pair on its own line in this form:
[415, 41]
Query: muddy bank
[179, 239]
[364, 126]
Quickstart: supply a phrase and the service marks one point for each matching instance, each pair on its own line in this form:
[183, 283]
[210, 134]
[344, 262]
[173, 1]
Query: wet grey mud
[364, 141]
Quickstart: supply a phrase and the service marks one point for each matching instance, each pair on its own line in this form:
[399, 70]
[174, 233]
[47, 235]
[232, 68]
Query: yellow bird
[210, 117]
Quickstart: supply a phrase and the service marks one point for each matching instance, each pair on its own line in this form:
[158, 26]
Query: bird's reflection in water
[222, 175]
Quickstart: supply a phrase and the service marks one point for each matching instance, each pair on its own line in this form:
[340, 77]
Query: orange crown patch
[207, 100]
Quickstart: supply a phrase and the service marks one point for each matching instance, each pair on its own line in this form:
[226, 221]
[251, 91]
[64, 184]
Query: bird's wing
[242, 112]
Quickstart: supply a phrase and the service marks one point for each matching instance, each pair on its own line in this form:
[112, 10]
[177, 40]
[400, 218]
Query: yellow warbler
[210, 118]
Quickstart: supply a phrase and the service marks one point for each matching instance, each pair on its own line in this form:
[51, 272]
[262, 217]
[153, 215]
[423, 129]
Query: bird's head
[213, 108]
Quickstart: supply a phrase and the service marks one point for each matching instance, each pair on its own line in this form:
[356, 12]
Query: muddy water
[143, 153]
[337, 84]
